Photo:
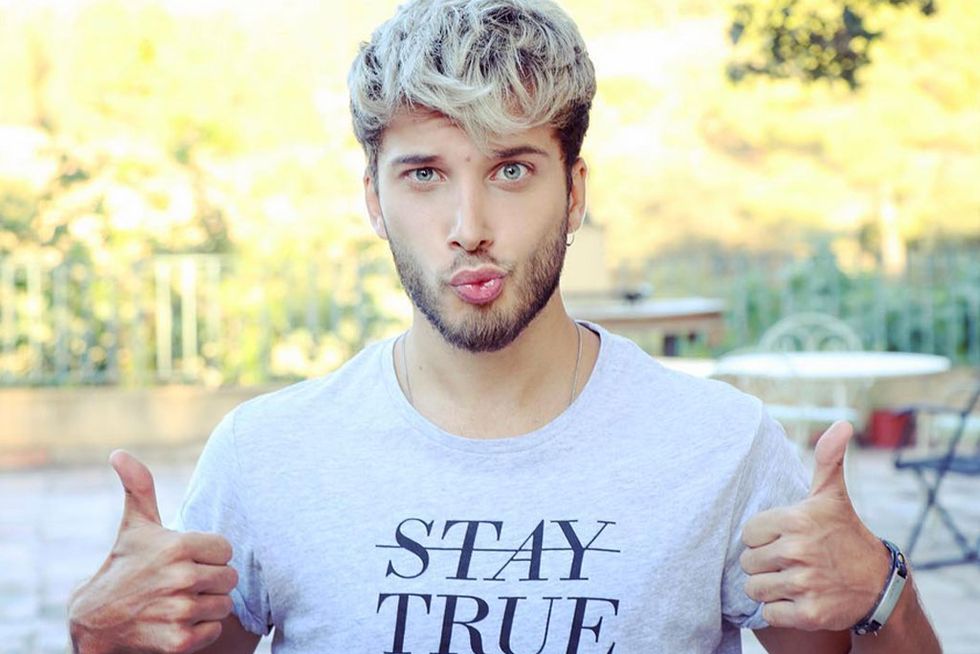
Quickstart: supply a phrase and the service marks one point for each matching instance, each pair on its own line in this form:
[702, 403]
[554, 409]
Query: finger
[781, 613]
[765, 527]
[137, 482]
[828, 472]
[210, 608]
[772, 587]
[756, 560]
[210, 549]
[215, 579]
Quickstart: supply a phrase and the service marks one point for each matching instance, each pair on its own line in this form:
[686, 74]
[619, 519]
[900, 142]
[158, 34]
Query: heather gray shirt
[359, 526]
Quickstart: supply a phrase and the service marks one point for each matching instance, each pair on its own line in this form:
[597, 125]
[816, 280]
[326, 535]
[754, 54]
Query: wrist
[84, 643]
[82, 638]
[887, 602]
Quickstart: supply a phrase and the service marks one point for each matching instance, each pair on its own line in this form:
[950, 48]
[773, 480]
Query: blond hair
[493, 67]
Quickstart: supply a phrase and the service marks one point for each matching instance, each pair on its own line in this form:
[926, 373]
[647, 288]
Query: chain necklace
[571, 394]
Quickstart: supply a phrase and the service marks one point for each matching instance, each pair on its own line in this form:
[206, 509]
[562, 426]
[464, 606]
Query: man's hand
[815, 564]
[158, 590]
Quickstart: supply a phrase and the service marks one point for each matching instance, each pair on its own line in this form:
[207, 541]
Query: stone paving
[56, 525]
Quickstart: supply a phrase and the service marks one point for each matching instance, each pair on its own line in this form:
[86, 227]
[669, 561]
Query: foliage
[131, 130]
[807, 40]
[933, 307]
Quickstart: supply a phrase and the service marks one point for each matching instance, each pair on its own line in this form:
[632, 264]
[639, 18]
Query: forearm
[908, 630]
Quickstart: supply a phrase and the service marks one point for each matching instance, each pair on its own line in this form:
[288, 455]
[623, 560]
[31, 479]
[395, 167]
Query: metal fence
[212, 319]
[187, 319]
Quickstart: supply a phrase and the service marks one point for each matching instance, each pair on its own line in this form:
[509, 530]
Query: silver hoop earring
[570, 240]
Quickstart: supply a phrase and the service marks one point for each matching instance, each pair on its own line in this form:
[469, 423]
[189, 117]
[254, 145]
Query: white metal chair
[810, 332]
[802, 406]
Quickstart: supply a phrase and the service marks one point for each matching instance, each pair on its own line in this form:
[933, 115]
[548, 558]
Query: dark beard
[489, 330]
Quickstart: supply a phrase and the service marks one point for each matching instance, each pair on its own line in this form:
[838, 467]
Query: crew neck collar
[521, 442]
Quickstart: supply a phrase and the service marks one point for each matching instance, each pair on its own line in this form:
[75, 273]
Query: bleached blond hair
[493, 67]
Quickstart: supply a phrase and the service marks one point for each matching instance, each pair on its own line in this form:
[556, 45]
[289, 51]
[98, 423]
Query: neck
[494, 394]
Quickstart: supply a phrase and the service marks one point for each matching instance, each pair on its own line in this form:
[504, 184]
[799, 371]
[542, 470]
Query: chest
[555, 561]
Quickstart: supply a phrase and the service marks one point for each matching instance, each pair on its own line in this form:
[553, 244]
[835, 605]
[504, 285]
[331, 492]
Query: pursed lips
[480, 286]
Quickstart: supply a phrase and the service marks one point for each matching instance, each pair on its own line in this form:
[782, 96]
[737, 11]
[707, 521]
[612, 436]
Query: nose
[470, 230]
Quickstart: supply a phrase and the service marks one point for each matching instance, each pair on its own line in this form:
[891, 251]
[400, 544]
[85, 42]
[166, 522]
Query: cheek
[530, 220]
[412, 215]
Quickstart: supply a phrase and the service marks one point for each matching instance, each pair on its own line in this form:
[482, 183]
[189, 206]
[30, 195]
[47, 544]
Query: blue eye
[423, 174]
[513, 171]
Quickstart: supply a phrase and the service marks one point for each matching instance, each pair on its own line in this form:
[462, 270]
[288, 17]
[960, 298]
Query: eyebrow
[520, 150]
[429, 159]
[415, 160]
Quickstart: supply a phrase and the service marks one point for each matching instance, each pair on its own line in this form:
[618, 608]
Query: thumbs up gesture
[815, 564]
[158, 590]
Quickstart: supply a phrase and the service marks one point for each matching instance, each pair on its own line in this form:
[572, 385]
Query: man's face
[478, 239]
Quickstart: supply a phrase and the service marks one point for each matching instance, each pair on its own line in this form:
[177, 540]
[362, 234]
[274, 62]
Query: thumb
[828, 472]
[141, 498]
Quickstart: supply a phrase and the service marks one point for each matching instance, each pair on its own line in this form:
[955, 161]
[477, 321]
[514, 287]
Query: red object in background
[887, 427]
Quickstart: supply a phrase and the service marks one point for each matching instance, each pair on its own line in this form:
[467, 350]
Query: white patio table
[840, 370]
[831, 366]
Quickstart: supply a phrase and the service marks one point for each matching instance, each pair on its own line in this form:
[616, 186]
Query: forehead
[414, 131]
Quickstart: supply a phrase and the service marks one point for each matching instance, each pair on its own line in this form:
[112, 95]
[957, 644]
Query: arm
[235, 639]
[907, 630]
[779, 640]
[819, 570]
[158, 590]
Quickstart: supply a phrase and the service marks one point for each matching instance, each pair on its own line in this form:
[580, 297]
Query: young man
[500, 478]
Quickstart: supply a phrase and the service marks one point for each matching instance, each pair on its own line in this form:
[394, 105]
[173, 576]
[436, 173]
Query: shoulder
[305, 407]
[676, 399]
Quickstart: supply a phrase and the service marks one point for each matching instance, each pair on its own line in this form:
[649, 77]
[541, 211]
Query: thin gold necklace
[571, 395]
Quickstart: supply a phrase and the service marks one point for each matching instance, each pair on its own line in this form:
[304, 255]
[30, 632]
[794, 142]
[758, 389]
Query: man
[499, 478]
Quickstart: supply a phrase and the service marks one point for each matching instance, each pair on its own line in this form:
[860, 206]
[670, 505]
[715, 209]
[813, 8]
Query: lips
[480, 286]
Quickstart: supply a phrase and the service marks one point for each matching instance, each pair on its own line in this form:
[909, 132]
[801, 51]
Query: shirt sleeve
[772, 475]
[213, 504]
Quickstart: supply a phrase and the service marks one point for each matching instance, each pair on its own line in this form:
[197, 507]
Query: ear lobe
[373, 203]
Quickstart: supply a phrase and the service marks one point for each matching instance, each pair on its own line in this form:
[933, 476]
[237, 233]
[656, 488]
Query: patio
[57, 524]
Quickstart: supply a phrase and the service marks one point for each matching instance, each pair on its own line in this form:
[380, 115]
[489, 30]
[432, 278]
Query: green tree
[808, 40]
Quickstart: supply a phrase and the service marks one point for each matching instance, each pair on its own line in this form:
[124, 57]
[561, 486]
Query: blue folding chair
[933, 469]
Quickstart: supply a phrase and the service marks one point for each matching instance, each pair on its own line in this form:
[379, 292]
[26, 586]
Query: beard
[488, 328]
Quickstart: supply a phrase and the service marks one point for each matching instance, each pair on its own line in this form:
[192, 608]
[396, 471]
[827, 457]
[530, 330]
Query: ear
[576, 195]
[373, 202]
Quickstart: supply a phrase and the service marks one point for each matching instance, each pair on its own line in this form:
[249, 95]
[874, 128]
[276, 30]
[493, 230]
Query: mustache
[467, 260]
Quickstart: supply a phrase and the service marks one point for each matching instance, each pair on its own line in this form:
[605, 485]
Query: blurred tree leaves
[226, 128]
[809, 40]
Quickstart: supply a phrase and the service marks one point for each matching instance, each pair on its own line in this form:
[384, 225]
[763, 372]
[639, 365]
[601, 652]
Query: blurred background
[182, 223]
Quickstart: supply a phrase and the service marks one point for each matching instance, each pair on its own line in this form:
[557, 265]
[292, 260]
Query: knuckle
[184, 610]
[176, 548]
[791, 553]
[182, 578]
[809, 617]
[231, 580]
[796, 584]
[751, 528]
[771, 616]
[805, 581]
[225, 548]
[217, 544]
[181, 641]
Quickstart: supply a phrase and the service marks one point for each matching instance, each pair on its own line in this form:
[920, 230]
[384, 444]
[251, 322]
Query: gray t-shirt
[359, 526]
